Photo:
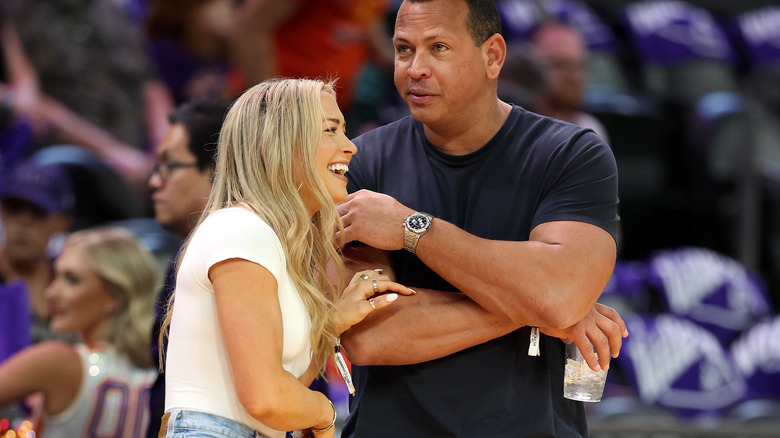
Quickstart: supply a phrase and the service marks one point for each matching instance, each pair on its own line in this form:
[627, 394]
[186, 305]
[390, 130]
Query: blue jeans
[191, 424]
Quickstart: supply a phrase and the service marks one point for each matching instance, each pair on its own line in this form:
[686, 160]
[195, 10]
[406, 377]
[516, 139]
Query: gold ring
[371, 301]
[364, 276]
[376, 289]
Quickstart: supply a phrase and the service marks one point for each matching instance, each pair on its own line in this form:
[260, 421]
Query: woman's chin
[339, 197]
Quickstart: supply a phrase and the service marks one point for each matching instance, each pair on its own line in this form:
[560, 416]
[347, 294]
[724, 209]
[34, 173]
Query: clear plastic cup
[579, 381]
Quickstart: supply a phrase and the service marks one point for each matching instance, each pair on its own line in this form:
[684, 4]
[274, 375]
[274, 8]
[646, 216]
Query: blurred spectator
[36, 205]
[523, 79]
[181, 185]
[563, 50]
[77, 73]
[189, 43]
[311, 38]
[103, 290]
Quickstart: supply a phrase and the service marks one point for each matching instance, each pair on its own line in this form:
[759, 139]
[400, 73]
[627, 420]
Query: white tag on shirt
[533, 346]
[341, 364]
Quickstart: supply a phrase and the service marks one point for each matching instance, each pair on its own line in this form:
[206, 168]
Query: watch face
[418, 223]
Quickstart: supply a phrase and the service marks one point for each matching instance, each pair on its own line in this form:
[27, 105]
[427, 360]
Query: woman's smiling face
[334, 153]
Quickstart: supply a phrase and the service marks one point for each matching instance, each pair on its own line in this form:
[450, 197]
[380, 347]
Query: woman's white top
[198, 374]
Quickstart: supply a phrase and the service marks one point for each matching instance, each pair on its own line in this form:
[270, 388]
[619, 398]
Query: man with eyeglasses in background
[181, 184]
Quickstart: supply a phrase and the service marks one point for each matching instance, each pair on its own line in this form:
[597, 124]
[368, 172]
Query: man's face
[179, 193]
[27, 230]
[566, 57]
[439, 70]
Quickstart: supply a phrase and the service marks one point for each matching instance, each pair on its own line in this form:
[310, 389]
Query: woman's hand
[366, 292]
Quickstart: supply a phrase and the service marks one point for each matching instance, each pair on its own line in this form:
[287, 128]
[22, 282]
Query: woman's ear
[112, 305]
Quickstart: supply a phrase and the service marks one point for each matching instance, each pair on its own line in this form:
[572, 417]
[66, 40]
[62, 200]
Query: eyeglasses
[164, 169]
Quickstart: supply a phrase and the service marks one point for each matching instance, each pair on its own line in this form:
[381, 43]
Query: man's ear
[495, 51]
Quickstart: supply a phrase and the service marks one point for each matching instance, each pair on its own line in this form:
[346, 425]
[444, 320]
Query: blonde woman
[103, 289]
[254, 317]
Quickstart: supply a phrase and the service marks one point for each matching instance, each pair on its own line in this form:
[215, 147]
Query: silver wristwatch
[415, 225]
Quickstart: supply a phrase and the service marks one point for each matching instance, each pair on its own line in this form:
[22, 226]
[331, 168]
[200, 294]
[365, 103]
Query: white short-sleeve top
[198, 374]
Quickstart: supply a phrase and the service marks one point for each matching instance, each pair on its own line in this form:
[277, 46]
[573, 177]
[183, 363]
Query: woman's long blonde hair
[130, 274]
[267, 144]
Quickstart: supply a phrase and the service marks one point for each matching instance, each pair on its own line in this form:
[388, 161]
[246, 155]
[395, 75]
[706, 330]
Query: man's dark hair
[483, 21]
[202, 118]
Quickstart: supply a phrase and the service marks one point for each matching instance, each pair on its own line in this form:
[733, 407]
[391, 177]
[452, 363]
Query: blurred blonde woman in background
[254, 317]
[103, 290]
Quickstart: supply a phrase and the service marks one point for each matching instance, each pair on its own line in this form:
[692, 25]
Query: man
[36, 205]
[524, 225]
[565, 56]
[181, 184]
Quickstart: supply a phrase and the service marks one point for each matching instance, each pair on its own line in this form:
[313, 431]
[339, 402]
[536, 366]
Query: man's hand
[602, 328]
[374, 219]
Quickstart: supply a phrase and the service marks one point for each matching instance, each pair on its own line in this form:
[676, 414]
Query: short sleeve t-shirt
[534, 170]
[198, 374]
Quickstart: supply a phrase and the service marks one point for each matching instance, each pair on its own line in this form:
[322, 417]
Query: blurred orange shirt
[327, 39]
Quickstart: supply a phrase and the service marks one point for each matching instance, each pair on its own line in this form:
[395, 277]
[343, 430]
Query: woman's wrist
[339, 325]
[332, 422]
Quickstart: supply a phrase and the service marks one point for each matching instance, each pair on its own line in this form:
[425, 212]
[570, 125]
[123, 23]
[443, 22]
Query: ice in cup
[579, 381]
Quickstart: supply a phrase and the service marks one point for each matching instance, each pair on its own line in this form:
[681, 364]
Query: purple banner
[519, 19]
[710, 289]
[759, 32]
[757, 355]
[673, 363]
[669, 32]
[627, 289]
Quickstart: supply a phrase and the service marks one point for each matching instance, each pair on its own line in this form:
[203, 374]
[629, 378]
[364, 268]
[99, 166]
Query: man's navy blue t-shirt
[534, 170]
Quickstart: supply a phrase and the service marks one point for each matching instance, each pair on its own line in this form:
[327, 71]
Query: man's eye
[402, 49]
[439, 47]
[71, 279]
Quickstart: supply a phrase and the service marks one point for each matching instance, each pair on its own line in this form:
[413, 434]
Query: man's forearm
[551, 280]
[434, 324]
[423, 327]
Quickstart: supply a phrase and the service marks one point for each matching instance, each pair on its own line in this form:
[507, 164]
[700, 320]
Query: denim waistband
[181, 420]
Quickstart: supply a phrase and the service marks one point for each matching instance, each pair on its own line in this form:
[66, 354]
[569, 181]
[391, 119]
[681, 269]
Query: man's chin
[423, 114]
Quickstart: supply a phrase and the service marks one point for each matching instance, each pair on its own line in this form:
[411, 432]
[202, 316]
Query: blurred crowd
[109, 111]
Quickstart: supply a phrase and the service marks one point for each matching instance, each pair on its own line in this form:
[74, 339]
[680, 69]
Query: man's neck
[35, 275]
[465, 138]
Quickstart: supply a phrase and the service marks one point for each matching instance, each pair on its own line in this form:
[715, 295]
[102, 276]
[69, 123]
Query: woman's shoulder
[235, 213]
[235, 227]
[55, 352]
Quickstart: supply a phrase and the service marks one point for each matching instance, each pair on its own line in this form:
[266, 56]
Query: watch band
[410, 240]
